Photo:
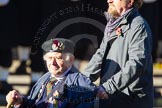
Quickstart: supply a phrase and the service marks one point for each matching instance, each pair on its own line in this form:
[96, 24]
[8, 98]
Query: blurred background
[26, 24]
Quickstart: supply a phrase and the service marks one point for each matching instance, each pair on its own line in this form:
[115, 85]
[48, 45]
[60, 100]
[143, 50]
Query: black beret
[58, 45]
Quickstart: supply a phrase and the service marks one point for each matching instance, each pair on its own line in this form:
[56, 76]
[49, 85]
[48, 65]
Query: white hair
[68, 56]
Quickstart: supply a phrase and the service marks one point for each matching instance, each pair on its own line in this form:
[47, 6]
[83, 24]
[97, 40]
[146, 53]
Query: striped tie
[49, 89]
[50, 84]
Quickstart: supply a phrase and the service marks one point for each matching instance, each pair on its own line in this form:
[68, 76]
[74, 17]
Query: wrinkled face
[58, 63]
[117, 7]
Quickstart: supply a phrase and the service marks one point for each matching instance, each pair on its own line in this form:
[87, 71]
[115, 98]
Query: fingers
[13, 94]
[16, 94]
[14, 97]
[102, 95]
[10, 99]
[9, 96]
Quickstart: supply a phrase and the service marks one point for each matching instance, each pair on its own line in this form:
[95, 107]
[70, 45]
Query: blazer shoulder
[43, 78]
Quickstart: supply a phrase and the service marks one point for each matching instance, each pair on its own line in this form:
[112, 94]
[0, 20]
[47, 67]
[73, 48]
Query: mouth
[111, 5]
[54, 67]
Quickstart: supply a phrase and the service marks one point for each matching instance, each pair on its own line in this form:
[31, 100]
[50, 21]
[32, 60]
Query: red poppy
[56, 43]
[118, 31]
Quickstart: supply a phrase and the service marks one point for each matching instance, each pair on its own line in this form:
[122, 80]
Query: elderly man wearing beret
[62, 87]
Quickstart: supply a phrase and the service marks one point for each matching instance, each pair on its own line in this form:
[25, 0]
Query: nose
[109, 1]
[53, 61]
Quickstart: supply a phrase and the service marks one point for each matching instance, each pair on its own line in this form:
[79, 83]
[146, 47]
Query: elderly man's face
[57, 63]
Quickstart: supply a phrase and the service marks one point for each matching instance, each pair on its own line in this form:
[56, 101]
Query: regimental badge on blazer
[41, 91]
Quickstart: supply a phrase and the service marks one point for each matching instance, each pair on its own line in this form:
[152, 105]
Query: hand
[14, 98]
[102, 93]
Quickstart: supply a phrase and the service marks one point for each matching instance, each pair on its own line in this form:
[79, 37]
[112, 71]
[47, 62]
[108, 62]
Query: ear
[130, 4]
[72, 58]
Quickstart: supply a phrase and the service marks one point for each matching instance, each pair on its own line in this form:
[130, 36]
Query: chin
[53, 73]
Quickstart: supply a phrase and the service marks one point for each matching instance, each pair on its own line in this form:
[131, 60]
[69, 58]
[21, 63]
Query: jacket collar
[121, 21]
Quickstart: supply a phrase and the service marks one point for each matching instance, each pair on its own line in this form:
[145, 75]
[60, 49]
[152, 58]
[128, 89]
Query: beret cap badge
[57, 45]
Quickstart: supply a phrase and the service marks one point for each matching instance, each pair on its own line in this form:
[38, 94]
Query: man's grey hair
[67, 56]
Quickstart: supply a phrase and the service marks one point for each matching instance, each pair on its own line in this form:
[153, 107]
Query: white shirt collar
[63, 75]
